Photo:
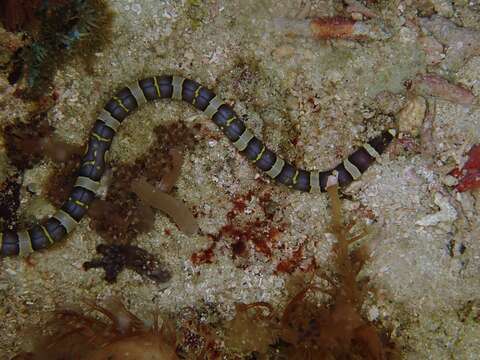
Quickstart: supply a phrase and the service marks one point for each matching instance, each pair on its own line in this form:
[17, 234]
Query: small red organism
[469, 175]
[261, 232]
[289, 265]
[205, 256]
[239, 205]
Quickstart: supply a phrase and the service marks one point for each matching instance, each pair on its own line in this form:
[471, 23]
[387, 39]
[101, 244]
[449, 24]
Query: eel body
[131, 97]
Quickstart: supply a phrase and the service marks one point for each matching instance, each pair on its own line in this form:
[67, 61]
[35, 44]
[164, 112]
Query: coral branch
[438, 87]
[332, 28]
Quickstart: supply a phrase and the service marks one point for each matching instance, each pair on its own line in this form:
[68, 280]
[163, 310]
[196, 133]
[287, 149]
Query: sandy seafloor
[323, 94]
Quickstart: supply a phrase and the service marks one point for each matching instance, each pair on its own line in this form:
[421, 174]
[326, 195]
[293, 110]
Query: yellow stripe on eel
[120, 103]
[213, 106]
[24, 243]
[81, 204]
[100, 138]
[352, 169]
[47, 235]
[229, 121]
[295, 177]
[242, 142]
[276, 168]
[259, 156]
[155, 82]
[315, 181]
[177, 84]
[196, 94]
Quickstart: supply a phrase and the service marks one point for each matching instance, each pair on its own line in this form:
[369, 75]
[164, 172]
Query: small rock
[283, 51]
[356, 16]
[410, 118]
[438, 87]
[434, 53]
[450, 180]
[443, 7]
[407, 35]
[389, 103]
[447, 213]
[461, 43]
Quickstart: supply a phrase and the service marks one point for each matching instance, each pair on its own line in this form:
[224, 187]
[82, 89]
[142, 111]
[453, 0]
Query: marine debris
[25, 142]
[9, 201]
[257, 233]
[332, 28]
[469, 175]
[462, 43]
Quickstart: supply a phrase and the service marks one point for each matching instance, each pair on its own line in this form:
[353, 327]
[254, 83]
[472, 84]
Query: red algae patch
[260, 234]
[469, 176]
[306, 329]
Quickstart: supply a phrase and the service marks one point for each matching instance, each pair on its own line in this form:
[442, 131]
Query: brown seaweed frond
[337, 329]
[255, 305]
[15, 14]
[74, 335]
[250, 331]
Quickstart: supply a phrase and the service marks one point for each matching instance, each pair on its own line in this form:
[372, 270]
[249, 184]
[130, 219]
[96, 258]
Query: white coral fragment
[446, 214]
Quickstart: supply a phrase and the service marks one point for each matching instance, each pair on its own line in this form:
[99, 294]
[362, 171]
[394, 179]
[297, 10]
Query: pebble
[410, 118]
[450, 180]
[447, 213]
[434, 53]
[443, 7]
[283, 51]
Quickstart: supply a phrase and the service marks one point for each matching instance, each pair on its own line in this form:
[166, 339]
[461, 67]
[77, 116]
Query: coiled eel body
[123, 103]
